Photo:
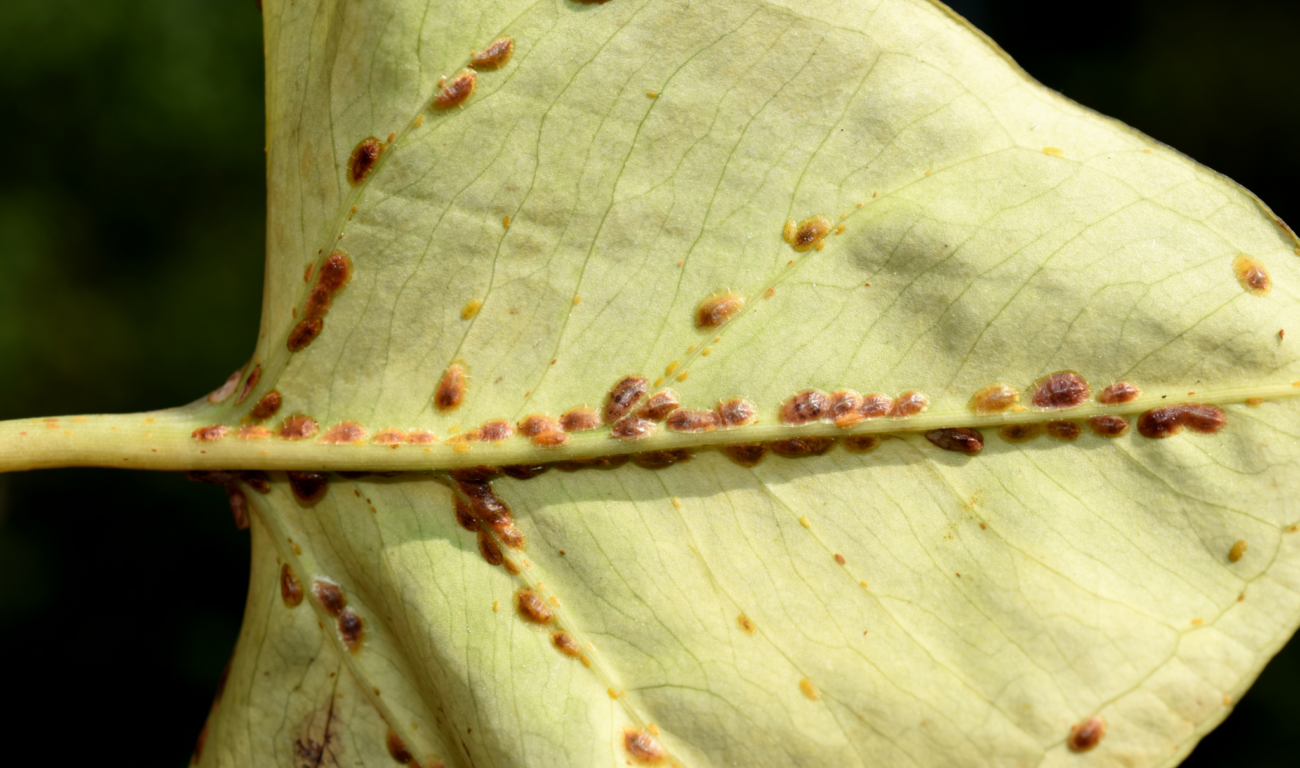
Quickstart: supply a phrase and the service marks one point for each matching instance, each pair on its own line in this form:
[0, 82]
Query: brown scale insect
[746, 624]
[659, 405]
[351, 628]
[958, 439]
[643, 747]
[524, 471]
[267, 407]
[598, 462]
[536, 424]
[994, 398]
[1206, 419]
[1252, 275]
[308, 487]
[251, 382]
[290, 589]
[1064, 430]
[1238, 550]
[861, 443]
[717, 309]
[329, 595]
[1118, 393]
[451, 388]
[365, 156]
[489, 549]
[802, 446]
[579, 419]
[223, 393]
[457, 90]
[736, 412]
[690, 420]
[550, 439]
[624, 396]
[253, 432]
[566, 644]
[1108, 426]
[875, 406]
[806, 406]
[1087, 734]
[511, 536]
[397, 748]
[344, 433]
[257, 480]
[909, 404]
[465, 518]
[660, 459]
[335, 272]
[389, 437]
[304, 333]
[1019, 433]
[420, 437]
[533, 607]
[845, 408]
[495, 431]
[1159, 423]
[1060, 390]
[319, 300]
[633, 428]
[1168, 421]
[298, 427]
[209, 434]
[745, 454]
[808, 233]
[494, 55]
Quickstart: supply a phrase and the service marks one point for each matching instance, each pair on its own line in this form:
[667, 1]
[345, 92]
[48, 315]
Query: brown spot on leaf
[579, 419]
[223, 393]
[532, 607]
[363, 160]
[659, 405]
[690, 420]
[994, 398]
[806, 406]
[290, 589]
[329, 595]
[268, 406]
[298, 427]
[1252, 275]
[623, 396]
[209, 434]
[308, 487]
[810, 232]
[1063, 389]
[566, 644]
[861, 443]
[634, 428]
[802, 446]
[1087, 734]
[1064, 430]
[249, 383]
[717, 309]
[451, 389]
[351, 628]
[909, 404]
[456, 90]
[304, 333]
[344, 433]
[959, 439]
[1118, 393]
[494, 55]
[745, 454]
[397, 748]
[487, 547]
[1108, 426]
[644, 747]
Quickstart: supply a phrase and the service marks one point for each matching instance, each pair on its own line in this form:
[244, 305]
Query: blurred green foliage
[131, 240]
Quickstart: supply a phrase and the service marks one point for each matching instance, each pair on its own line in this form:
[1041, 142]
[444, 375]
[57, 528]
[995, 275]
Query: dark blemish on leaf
[364, 157]
[717, 309]
[1086, 735]
[1108, 426]
[1118, 393]
[238, 506]
[566, 644]
[489, 549]
[959, 439]
[251, 382]
[688, 420]
[623, 396]
[532, 607]
[451, 389]
[1238, 551]
[524, 471]
[994, 398]
[845, 408]
[464, 517]
[1252, 275]
[635, 428]
[268, 406]
[290, 589]
[344, 433]
[308, 487]
[298, 427]
[1063, 430]
[209, 434]
[397, 748]
[861, 443]
[456, 90]
[809, 233]
[304, 333]
[660, 459]
[1063, 389]
[643, 747]
[736, 412]
[1206, 419]
[579, 419]
[330, 597]
[807, 406]
[1160, 423]
[257, 480]
[659, 405]
[351, 629]
[223, 393]
[802, 446]
[494, 55]
[745, 454]
[909, 404]
[1019, 433]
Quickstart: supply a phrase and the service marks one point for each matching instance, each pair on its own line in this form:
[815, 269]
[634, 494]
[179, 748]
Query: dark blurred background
[131, 246]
